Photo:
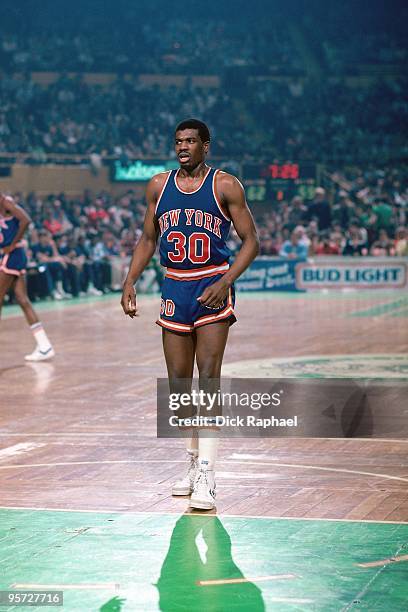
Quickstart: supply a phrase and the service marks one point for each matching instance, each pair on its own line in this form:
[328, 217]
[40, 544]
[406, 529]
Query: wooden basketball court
[85, 485]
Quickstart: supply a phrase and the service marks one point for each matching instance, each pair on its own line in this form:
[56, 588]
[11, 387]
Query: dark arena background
[307, 105]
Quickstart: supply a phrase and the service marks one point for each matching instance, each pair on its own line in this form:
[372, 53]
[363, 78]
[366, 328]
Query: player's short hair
[195, 124]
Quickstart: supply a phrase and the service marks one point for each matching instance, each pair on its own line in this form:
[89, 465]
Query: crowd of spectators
[72, 117]
[154, 38]
[310, 111]
[375, 39]
[281, 93]
[322, 121]
[180, 46]
[163, 46]
[83, 245]
[366, 215]
[320, 118]
[371, 50]
[327, 120]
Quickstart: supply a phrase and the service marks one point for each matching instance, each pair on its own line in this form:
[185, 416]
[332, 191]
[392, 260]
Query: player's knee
[178, 373]
[209, 368]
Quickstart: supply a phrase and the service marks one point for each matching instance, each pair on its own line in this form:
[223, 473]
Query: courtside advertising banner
[269, 274]
[353, 273]
[279, 274]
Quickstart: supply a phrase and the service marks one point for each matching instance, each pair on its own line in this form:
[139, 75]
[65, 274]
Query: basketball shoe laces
[202, 484]
[192, 469]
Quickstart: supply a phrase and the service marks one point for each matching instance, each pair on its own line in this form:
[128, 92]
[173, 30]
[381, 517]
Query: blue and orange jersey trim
[225, 313]
[196, 273]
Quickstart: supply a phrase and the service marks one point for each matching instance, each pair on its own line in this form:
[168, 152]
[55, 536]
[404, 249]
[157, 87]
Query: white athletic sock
[40, 337]
[207, 449]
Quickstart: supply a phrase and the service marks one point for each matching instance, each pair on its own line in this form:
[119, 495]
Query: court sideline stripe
[269, 464]
[383, 561]
[242, 580]
[364, 590]
[90, 585]
[137, 433]
[221, 515]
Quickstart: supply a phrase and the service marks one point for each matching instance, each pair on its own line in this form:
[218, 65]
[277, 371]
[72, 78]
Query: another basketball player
[192, 210]
[13, 260]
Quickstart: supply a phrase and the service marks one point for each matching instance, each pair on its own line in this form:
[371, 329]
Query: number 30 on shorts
[197, 251]
[167, 307]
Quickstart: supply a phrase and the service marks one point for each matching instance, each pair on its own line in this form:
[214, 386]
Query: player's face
[190, 149]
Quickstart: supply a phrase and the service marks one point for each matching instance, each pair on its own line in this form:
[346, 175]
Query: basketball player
[192, 210]
[13, 223]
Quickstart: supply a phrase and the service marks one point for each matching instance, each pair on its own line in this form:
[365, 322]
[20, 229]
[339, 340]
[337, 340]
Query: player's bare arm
[232, 196]
[146, 246]
[9, 207]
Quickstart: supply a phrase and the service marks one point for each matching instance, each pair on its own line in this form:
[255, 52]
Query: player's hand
[128, 300]
[214, 295]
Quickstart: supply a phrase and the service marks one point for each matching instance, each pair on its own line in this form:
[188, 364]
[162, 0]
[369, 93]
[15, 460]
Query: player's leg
[211, 342]
[44, 348]
[6, 282]
[210, 347]
[179, 352]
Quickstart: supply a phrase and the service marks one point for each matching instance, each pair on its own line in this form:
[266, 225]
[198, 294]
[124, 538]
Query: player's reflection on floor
[44, 374]
[113, 605]
[200, 552]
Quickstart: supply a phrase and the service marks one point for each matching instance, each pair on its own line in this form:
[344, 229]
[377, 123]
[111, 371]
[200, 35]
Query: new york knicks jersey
[16, 261]
[193, 227]
[8, 230]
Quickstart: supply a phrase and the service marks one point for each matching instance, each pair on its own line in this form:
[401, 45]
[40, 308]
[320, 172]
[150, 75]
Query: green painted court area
[394, 308]
[114, 561]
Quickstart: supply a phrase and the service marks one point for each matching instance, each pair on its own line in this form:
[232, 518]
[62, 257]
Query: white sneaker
[94, 291]
[184, 486]
[38, 355]
[203, 495]
[57, 295]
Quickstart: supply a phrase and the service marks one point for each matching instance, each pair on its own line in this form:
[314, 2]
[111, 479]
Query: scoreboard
[139, 170]
[264, 182]
[278, 181]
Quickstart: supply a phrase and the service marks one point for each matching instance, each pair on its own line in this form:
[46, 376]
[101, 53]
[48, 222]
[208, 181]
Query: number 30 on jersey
[196, 248]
